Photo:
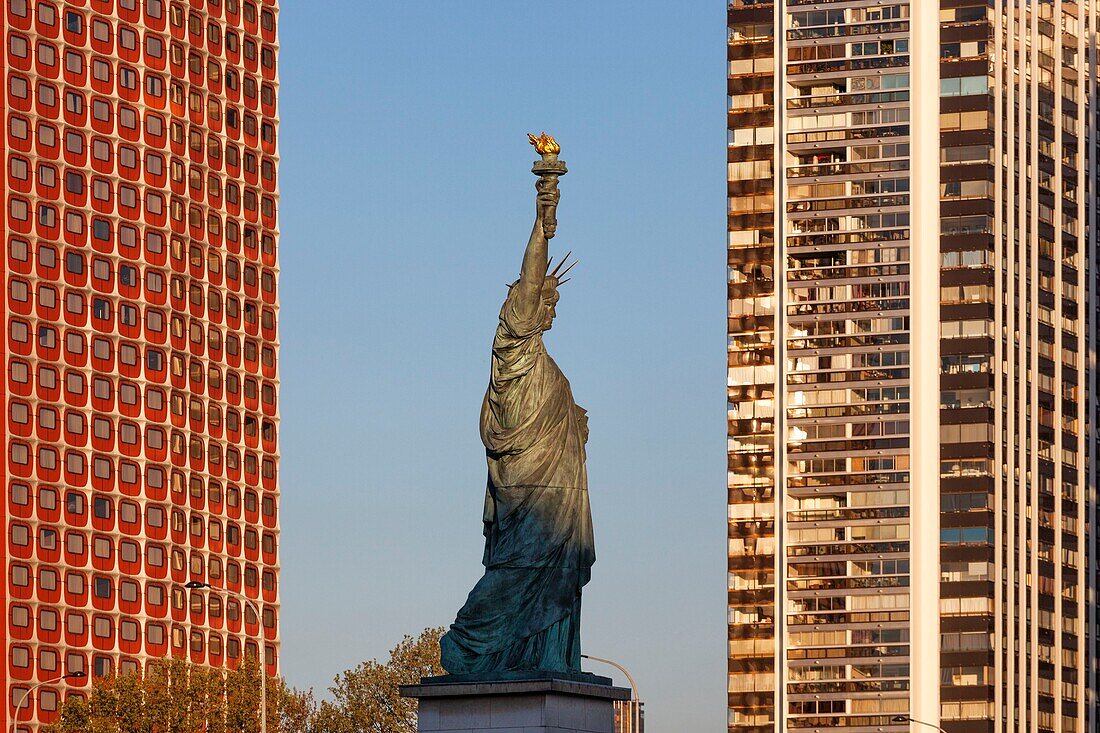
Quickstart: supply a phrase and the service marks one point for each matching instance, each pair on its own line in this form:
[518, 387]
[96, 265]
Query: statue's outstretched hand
[548, 199]
[546, 206]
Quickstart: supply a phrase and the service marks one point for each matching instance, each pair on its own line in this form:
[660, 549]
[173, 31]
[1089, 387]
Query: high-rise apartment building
[629, 716]
[140, 304]
[912, 369]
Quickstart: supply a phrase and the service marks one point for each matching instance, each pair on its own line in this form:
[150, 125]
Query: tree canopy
[366, 699]
[174, 696]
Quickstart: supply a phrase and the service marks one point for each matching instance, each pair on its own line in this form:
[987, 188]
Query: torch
[549, 169]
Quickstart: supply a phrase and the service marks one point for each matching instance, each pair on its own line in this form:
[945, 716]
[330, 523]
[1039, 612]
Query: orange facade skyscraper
[140, 325]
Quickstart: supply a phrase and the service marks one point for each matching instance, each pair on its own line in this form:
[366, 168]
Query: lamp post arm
[19, 705]
[636, 703]
[619, 667]
[242, 597]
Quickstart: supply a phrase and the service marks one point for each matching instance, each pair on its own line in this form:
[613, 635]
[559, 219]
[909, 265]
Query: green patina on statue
[524, 613]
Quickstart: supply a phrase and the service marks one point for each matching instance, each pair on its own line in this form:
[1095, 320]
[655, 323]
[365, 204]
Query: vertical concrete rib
[924, 358]
[780, 71]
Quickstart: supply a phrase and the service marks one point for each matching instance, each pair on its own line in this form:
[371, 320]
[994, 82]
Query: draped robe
[524, 613]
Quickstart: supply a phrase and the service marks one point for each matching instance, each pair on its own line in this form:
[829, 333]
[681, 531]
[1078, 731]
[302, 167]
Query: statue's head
[548, 295]
[550, 298]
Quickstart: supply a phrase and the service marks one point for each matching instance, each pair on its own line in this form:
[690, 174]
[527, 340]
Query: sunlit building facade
[140, 328]
[911, 366]
[629, 716]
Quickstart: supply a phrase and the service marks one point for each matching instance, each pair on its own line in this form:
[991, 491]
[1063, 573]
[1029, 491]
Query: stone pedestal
[547, 705]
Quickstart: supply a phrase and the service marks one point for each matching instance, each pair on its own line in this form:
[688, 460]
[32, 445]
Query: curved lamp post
[199, 585]
[27, 694]
[635, 708]
[907, 719]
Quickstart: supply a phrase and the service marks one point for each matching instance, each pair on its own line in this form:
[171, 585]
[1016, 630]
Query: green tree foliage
[174, 696]
[366, 699]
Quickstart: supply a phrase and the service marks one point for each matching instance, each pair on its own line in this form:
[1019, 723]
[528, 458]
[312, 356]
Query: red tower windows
[94, 294]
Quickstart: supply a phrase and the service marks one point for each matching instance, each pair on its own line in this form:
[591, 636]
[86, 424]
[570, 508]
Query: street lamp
[19, 705]
[635, 708]
[199, 585]
[907, 719]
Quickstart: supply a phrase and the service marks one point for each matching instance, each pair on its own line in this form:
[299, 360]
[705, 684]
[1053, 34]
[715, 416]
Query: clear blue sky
[407, 199]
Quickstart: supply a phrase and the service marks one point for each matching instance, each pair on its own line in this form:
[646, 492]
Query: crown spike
[563, 282]
[563, 259]
[566, 270]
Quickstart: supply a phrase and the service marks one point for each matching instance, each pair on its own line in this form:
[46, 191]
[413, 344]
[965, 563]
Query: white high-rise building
[912, 366]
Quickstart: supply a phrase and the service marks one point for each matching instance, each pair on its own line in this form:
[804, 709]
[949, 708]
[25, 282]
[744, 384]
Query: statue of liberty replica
[524, 614]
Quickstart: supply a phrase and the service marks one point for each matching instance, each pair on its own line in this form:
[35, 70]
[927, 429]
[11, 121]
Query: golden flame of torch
[544, 144]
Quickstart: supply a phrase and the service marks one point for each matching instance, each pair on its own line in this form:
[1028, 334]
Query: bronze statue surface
[524, 613]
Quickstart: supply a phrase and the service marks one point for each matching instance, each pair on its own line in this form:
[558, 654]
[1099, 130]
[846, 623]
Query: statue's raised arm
[532, 273]
[529, 295]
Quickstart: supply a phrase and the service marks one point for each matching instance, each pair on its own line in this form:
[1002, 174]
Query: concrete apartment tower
[912, 366]
[140, 329]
